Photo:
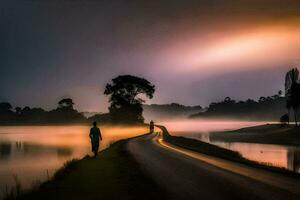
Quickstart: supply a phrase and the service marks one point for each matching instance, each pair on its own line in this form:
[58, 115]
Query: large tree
[125, 103]
[66, 103]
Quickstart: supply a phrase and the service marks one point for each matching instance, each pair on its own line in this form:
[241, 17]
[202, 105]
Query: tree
[292, 92]
[262, 99]
[125, 105]
[18, 110]
[5, 107]
[66, 103]
[6, 113]
[284, 119]
[228, 100]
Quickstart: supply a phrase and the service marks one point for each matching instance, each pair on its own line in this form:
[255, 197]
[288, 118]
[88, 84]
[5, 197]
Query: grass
[216, 151]
[114, 174]
[14, 192]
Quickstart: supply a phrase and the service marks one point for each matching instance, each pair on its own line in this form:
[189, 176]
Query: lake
[32, 154]
[276, 155]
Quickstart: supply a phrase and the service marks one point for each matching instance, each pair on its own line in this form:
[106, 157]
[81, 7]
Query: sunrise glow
[245, 50]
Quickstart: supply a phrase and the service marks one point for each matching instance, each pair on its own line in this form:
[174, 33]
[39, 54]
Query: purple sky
[194, 52]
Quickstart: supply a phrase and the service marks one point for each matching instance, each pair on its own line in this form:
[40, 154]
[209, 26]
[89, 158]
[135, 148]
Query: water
[33, 153]
[276, 155]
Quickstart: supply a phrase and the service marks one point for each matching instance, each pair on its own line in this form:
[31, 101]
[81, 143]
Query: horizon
[205, 51]
[145, 104]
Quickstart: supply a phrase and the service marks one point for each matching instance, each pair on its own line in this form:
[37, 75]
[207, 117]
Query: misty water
[275, 155]
[32, 154]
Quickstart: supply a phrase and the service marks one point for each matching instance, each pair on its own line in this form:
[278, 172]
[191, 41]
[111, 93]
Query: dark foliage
[6, 113]
[266, 108]
[102, 118]
[169, 111]
[64, 113]
[284, 119]
[125, 105]
[5, 107]
[66, 104]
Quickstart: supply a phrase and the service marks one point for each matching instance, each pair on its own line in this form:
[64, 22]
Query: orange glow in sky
[254, 45]
[249, 49]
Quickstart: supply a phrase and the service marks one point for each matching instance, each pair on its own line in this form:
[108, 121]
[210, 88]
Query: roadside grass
[216, 151]
[114, 174]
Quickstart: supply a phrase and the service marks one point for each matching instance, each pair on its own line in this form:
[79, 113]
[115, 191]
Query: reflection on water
[276, 155]
[5, 150]
[34, 152]
[293, 156]
[10, 150]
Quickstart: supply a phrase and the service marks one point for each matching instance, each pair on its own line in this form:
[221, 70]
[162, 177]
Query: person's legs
[95, 148]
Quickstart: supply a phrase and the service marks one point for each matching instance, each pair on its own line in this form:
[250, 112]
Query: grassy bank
[264, 134]
[216, 151]
[113, 175]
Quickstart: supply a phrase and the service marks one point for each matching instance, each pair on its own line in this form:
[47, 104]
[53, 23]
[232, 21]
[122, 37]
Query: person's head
[94, 123]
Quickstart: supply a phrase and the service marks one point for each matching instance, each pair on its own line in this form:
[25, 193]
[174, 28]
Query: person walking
[151, 126]
[95, 135]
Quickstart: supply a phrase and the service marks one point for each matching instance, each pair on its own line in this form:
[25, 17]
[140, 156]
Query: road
[184, 174]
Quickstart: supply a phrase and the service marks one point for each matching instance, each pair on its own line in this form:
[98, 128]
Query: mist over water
[206, 126]
[34, 153]
[276, 155]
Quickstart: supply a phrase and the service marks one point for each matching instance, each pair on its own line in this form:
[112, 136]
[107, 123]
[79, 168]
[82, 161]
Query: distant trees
[66, 103]
[266, 108]
[158, 112]
[18, 110]
[6, 112]
[292, 93]
[5, 107]
[64, 113]
[125, 105]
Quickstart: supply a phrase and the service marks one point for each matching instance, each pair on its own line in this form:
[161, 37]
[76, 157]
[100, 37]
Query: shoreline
[114, 173]
[71, 124]
[270, 133]
[219, 152]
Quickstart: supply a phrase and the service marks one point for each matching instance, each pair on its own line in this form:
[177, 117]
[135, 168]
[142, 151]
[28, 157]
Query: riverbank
[114, 174]
[216, 151]
[264, 134]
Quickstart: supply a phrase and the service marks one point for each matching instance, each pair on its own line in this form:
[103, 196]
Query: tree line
[126, 105]
[265, 108]
[63, 114]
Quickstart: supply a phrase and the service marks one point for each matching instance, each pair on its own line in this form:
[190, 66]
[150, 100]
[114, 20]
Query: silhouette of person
[151, 126]
[95, 136]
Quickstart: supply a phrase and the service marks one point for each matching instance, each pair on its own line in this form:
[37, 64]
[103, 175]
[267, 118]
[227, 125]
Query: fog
[206, 125]
[33, 152]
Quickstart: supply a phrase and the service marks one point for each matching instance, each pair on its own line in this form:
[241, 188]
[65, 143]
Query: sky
[194, 51]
